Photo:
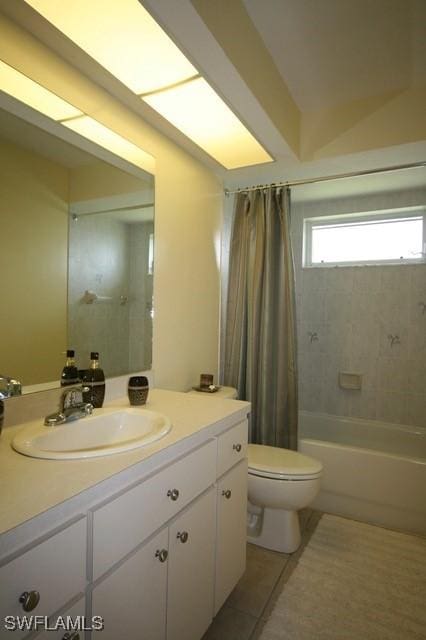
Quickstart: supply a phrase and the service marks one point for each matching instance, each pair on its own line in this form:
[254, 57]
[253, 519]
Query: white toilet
[224, 393]
[280, 483]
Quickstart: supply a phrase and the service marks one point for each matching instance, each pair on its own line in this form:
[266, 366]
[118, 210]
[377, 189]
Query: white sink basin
[106, 432]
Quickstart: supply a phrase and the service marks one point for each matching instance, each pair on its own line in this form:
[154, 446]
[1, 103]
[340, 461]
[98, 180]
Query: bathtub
[373, 471]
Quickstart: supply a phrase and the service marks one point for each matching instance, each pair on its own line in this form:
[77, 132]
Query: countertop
[30, 486]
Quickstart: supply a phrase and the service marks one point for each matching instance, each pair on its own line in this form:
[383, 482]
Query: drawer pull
[183, 537]
[227, 493]
[71, 636]
[173, 494]
[237, 447]
[162, 555]
[29, 600]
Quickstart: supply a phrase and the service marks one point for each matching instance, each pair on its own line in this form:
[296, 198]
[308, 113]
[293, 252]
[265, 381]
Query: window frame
[347, 218]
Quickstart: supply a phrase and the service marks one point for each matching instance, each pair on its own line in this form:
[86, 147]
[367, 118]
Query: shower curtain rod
[337, 176]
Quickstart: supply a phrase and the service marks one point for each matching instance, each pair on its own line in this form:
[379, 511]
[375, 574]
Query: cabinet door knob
[227, 493]
[237, 447]
[162, 554]
[71, 636]
[182, 536]
[29, 600]
[173, 494]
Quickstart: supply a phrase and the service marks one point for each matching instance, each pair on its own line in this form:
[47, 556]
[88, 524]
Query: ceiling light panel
[202, 115]
[37, 97]
[123, 38]
[34, 95]
[96, 132]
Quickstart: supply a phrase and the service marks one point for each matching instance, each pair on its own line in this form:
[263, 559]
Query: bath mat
[353, 581]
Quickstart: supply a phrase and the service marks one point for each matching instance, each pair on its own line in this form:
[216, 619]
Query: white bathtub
[373, 471]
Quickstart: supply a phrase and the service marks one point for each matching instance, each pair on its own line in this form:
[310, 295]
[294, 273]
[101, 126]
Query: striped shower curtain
[260, 339]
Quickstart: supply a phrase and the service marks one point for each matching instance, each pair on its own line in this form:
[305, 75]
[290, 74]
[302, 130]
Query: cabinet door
[132, 600]
[191, 570]
[52, 573]
[75, 616]
[232, 447]
[123, 523]
[231, 532]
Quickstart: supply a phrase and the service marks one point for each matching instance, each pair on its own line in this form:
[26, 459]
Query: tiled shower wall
[98, 261]
[110, 258]
[353, 311]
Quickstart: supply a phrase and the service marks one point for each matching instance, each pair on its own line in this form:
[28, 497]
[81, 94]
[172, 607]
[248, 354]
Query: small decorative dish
[212, 388]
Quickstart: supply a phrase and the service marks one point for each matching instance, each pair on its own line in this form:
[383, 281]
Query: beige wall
[33, 242]
[187, 218]
[100, 180]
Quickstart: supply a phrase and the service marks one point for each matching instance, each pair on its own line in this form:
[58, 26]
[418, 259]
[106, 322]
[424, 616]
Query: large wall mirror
[76, 258]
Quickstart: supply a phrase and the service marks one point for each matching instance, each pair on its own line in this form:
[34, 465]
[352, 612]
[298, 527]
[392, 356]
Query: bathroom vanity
[151, 540]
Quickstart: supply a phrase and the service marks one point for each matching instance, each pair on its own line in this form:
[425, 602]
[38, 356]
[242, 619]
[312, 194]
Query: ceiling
[330, 53]
[326, 86]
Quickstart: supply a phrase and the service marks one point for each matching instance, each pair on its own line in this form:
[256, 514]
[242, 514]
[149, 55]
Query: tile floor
[244, 613]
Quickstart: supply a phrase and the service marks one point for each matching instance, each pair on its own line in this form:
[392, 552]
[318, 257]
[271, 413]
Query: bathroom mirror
[76, 258]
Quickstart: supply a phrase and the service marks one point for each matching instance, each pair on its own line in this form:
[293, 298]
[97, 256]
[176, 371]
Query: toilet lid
[275, 462]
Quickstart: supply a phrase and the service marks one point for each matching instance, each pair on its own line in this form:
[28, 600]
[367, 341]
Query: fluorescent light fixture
[37, 97]
[34, 95]
[123, 37]
[202, 115]
[96, 132]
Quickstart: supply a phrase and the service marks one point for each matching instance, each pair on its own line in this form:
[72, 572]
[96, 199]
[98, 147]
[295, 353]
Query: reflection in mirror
[52, 192]
[110, 288]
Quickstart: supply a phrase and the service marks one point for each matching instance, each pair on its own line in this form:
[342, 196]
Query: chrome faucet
[71, 407]
[9, 387]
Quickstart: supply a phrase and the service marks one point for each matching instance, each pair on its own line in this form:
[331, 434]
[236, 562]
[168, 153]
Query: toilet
[224, 393]
[280, 483]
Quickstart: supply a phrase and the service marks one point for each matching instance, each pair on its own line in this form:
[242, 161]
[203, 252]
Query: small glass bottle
[94, 378]
[70, 372]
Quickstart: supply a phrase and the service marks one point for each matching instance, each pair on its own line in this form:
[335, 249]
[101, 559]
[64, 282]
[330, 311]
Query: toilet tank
[225, 393]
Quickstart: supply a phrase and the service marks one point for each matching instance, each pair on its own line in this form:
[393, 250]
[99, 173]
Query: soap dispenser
[70, 372]
[94, 379]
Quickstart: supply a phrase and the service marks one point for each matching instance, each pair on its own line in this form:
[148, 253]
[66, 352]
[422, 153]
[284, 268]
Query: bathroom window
[151, 254]
[394, 236]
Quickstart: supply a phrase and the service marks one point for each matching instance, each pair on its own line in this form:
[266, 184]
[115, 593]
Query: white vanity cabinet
[131, 600]
[76, 613]
[155, 559]
[43, 578]
[191, 570]
[124, 522]
[172, 585]
[165, 589]
[231, 514]
[230, 532]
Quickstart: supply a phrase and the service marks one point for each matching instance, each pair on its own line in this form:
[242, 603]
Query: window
[151, 254]
[397, 235]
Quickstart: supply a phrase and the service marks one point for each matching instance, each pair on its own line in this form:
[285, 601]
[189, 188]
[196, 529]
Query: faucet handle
[72, 396]
[88, 408]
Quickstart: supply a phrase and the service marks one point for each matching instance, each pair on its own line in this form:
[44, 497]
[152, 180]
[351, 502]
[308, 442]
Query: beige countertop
[31, 486]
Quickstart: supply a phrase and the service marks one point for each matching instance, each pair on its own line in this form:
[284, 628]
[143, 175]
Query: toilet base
[279, 530]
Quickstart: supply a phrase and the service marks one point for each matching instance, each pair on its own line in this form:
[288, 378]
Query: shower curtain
[260, 335]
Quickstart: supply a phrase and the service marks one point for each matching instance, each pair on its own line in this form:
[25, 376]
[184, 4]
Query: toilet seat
[281, 464]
